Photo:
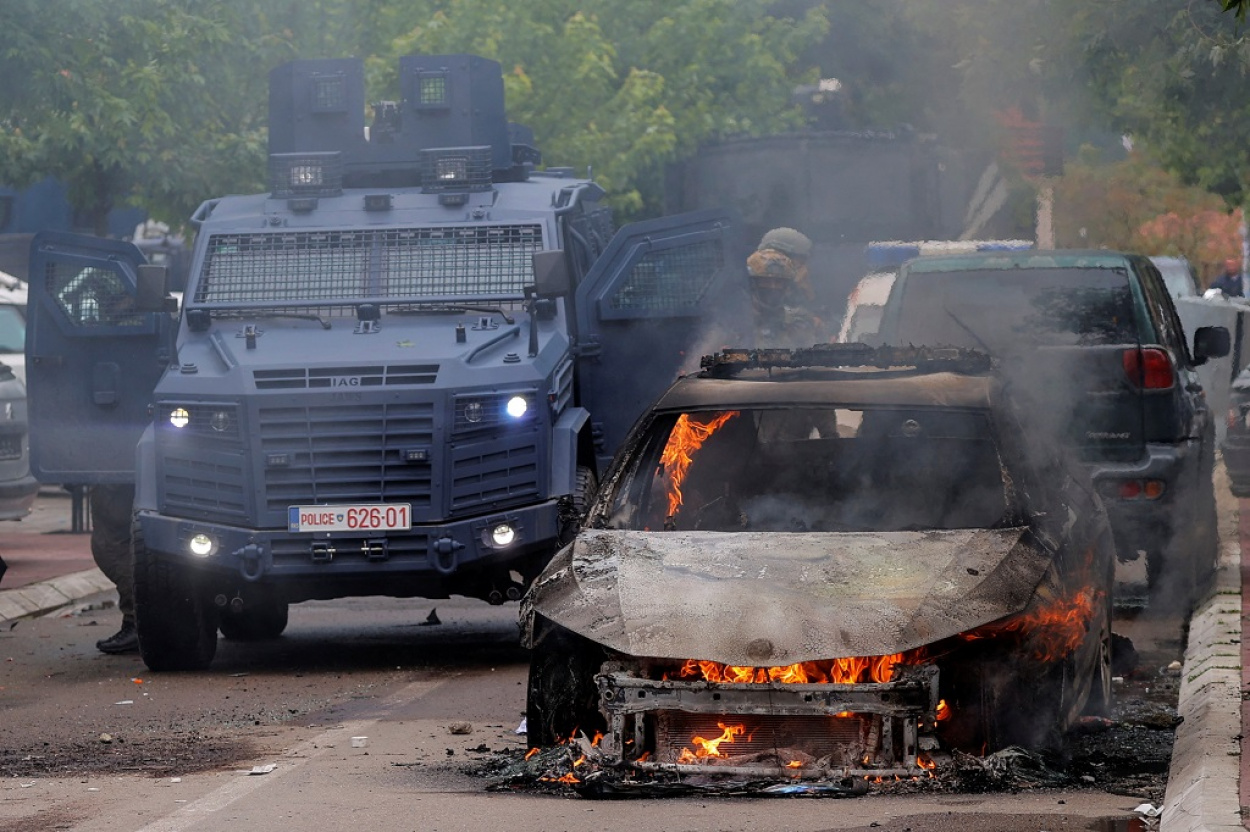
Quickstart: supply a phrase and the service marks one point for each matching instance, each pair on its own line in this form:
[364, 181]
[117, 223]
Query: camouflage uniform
[112, 510]
[781, 293]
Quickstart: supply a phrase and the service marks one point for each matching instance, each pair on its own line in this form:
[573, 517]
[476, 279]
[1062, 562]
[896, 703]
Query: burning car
[826, 563]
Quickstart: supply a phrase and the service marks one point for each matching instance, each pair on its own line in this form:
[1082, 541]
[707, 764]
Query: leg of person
[112, 508]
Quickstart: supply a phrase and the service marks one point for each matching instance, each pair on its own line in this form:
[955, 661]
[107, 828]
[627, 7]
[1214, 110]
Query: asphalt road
[91, 742]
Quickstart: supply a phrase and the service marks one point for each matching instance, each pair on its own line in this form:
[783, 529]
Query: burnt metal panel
[773, 599]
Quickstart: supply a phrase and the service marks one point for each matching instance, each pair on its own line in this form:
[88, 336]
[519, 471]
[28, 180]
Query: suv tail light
[1149, 368]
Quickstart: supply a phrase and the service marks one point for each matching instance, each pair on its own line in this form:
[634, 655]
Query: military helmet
[787, 241]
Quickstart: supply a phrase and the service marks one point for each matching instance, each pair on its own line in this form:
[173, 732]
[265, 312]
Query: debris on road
[265, 769]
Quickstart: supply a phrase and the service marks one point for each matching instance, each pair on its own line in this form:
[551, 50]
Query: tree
[158, 103]
[627, 87]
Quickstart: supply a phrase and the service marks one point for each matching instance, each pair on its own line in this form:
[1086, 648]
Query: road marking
[292, 759]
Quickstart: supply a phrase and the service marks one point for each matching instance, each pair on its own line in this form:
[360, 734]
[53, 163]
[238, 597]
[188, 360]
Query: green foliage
[627, 87]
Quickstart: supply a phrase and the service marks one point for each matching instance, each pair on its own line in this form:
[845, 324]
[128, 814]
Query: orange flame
[925, 763]
[686, 438]
[567, 778]
[531, 753]
[848, 671]
[943, 711]
[711, 748]
[1054, 630]
[794, 764]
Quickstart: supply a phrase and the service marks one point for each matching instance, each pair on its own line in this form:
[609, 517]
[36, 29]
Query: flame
[595, 742]
[794, 764]
[711, 748]
[646, 755]
[1054, 630]
[848, 671]
[925, 763]
[531, 753]
[686, 438]
[567, 778]
[943, 711]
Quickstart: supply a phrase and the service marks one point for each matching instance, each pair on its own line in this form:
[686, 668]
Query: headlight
[179, 417]
[201, 545]
[516, 407]
[502, 535]
[220, 421]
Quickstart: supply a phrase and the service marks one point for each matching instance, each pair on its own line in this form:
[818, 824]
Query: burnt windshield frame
[1069, 306]
[826, 468]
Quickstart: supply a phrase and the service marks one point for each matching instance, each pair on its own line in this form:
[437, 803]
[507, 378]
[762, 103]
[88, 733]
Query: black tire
[1099, 702]
[585, 486]
[562, 697]
[260, 621]
[174, 615]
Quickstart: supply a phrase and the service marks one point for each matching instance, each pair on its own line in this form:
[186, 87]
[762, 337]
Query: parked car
[17, 487]
[1179, 275]
[802, 565]
[1236, 447]
[13, 324]
[1094, 339]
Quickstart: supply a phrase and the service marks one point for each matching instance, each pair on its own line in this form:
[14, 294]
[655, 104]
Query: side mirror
[151, 288]
[551, 274]
[1210, 342]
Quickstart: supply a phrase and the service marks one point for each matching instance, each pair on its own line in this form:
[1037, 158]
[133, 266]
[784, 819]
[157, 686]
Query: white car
[13, 324]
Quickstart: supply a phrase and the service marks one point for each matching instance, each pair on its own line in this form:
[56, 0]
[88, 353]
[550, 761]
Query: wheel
[258, 621]
[174, 615]
[562, 697]
[1099, 702]
[585, 486]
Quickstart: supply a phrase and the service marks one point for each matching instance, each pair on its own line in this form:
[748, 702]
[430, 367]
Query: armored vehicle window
[1019, 307]
[344, 266]
[813, 469]
[92, 297]
[670, 281]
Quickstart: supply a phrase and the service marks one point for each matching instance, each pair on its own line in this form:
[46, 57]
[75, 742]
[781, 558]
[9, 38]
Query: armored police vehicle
[396, 373]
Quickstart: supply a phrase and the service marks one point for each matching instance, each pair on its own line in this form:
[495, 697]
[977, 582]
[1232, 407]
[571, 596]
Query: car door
[92, 359]
[663, 292]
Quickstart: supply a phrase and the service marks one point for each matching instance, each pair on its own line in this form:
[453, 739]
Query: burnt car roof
[868, 388]
[836, 374]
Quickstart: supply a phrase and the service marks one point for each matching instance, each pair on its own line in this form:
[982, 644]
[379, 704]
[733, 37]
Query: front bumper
[429, 560]
[17, 496]
[1236, 450]
[795, 731]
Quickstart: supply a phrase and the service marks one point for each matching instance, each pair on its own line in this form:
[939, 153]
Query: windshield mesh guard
[327, 268]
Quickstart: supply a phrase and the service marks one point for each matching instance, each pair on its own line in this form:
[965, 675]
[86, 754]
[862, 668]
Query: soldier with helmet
[781, 294]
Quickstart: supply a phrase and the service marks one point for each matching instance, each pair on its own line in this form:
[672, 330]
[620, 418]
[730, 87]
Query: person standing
[1232, 282]
[112, 512]
[781, 294]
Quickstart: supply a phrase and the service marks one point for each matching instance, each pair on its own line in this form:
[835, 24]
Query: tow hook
[443, 554]
[253, 562]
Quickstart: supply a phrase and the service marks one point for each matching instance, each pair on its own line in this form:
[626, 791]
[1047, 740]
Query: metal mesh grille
[91, 297]
[672, 280]
[345, 267]
[347, 454]
[10, 446]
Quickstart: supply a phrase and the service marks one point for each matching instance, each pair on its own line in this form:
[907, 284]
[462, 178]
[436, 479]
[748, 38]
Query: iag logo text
[345, 381]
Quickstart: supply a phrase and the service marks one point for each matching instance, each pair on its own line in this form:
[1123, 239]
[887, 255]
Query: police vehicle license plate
[361, 518]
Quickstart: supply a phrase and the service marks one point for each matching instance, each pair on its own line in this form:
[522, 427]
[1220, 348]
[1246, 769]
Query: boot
[125, 640]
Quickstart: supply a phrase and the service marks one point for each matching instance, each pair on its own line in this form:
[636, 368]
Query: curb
[46, 596]
[1204, 775]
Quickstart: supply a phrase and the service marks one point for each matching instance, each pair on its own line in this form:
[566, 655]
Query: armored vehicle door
[92, 360]
[663, 292]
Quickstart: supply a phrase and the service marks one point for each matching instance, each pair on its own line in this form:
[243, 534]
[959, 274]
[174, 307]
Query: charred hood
[769, 599]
